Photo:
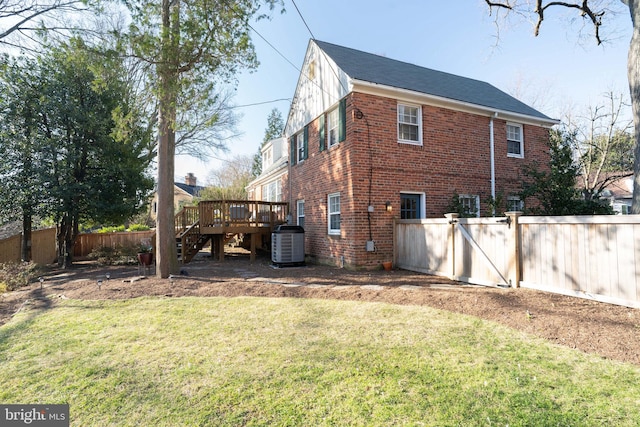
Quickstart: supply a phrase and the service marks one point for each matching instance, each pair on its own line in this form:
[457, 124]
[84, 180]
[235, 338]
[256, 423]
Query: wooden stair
[219, 221]
[190, 242]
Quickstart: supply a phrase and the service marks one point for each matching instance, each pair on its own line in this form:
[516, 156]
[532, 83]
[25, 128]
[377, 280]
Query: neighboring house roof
[380, 70]
[620, 189]
[192, 190]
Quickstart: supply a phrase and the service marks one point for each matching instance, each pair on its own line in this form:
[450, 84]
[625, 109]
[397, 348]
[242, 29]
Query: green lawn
[301, 362]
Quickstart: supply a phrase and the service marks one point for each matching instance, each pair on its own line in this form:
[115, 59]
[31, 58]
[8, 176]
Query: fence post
[451, 242]
[514, 264]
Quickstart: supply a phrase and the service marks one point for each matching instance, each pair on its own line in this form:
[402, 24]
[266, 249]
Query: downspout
[493, 162]
[289, 171]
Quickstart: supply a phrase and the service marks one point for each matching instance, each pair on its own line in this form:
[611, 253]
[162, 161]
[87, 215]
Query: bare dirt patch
[608, 330]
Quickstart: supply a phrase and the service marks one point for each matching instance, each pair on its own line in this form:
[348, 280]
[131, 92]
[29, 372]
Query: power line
[276, 49]
[299, 70]
[302, 17]
[261, 103]
[313, 37]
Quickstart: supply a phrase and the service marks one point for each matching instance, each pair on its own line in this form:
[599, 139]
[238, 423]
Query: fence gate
[480, 251]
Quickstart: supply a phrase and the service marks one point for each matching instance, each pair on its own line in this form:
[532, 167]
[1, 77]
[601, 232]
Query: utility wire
[274, 48]
[313, 37]
[261, 103]
[292, 64]
[302, 17]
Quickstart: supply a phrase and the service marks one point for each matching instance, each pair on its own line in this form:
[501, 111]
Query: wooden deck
[219, 220]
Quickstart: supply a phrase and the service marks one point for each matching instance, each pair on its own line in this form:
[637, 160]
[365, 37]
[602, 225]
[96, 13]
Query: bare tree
[229, 182]
[593, 11]
[602, 144]
[20, 20]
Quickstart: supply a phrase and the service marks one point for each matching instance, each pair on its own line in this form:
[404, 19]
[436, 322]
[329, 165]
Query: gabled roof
[380, 70]
[192, 190]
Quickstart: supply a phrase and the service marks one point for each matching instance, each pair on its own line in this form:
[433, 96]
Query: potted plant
[145, 252]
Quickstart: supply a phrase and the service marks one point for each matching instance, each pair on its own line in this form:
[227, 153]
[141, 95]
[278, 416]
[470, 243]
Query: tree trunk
[166, 253]
[25, 252]
[61, 243]
[66, 235]
[633, 71]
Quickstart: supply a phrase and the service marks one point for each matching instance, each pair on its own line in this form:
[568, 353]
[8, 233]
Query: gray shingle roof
[193, 190]
[389, 72]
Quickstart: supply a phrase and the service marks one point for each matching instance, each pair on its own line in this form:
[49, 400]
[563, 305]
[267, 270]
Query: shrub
[138, 227]
[118, 255]
[112, 229]
[14, 275]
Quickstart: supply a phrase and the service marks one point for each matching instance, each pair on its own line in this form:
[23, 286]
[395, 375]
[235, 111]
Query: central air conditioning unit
[287, 245]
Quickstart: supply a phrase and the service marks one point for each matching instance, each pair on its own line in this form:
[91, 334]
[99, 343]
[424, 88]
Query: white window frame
[463, 198]
[333, 127]
[300, 212]
[511, 138]
[331, 213]
[300, 147]
[272, 191]
[401, 115]
[267, 158]
[515, 200]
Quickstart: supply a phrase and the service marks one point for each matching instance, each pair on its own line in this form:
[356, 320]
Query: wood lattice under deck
[220, 220]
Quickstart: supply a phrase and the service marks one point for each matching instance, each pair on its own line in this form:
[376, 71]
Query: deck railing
[184, 219]
[227, 213]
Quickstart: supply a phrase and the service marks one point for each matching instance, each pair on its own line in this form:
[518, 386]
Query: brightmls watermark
[34, 415]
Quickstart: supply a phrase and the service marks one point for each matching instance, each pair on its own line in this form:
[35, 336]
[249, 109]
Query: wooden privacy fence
[43, 247]
[87, 242]
[596, 257]
[43, 244]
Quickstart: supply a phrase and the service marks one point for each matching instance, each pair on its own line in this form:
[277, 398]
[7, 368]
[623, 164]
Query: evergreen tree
[20, 145]
[275, 126]
[554, 192]
[87, 162]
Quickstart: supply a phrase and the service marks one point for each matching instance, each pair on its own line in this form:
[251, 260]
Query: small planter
[388, 265]
[145, 258]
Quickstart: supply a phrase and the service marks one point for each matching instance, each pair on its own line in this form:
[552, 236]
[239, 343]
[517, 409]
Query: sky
[561, 70]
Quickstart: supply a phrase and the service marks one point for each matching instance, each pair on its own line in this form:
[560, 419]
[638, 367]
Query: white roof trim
[438, 101]
[274, 174]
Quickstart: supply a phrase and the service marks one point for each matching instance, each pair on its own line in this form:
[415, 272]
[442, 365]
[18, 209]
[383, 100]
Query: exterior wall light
[388, 206]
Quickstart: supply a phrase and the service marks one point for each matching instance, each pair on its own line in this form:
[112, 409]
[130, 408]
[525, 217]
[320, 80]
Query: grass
[298, 362]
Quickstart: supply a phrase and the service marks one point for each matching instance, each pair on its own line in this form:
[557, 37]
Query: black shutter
[342, 125]
[321, 131]
[305, 142]
[292, 147]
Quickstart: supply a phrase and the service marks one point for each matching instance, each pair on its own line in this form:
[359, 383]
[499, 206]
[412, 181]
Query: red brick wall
[454, 158]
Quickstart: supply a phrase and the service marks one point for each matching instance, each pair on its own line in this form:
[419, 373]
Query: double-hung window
[333, 211]
[300, 154]
[514, 203]
[267, 158]
[409, 124]
[515, 140]
[272, 191]
[300, 212]
[333, 120]
[470, 205]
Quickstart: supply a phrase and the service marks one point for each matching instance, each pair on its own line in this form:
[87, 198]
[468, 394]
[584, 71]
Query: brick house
[371, 138]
